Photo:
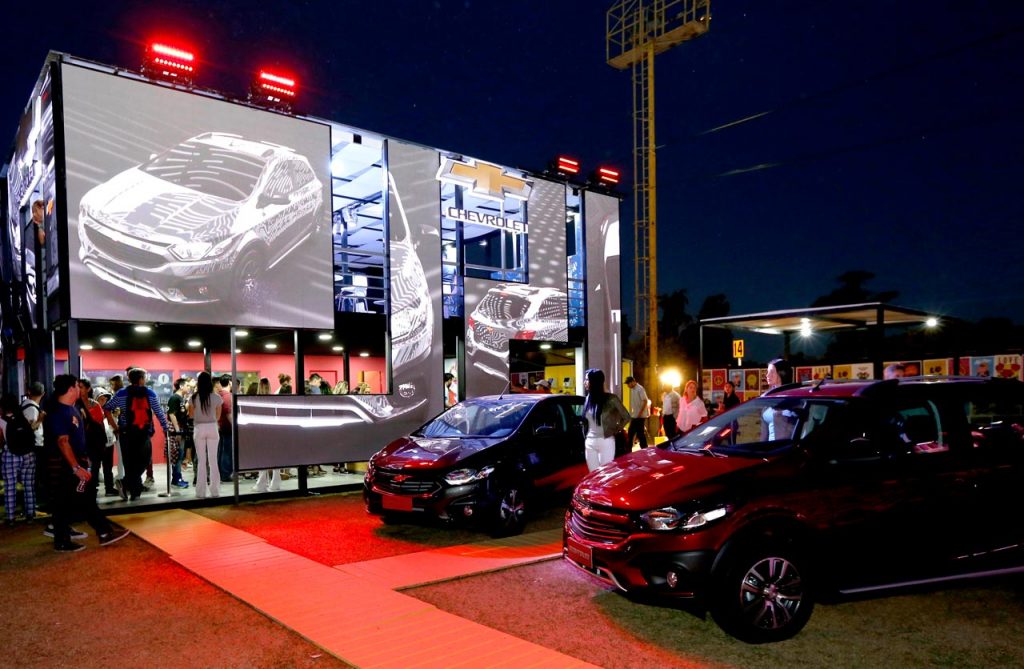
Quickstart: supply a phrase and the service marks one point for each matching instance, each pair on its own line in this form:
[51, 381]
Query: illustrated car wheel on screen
[762, 593]
[246, 284]
[510, 512]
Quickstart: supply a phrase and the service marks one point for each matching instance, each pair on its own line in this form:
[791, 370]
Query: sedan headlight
[191, 250]
[464, 476]
[670, 518]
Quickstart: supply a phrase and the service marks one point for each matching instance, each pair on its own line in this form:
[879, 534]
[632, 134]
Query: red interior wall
[269, 365]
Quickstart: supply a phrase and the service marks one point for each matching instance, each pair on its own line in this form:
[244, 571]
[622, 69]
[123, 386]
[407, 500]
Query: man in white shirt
[639, 411]
[669, 411]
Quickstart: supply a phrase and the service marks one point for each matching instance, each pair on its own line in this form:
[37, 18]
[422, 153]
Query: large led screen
[187, 209]
[344, 428]
[604, 310]
[538, 310]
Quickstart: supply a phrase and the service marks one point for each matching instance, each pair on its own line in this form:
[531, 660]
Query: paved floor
[353, 610]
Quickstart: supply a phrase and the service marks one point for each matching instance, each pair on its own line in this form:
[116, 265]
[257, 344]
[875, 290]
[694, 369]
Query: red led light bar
[568, 165]
[172, 52]
[277, 79]
[274, 86]
[607, 175]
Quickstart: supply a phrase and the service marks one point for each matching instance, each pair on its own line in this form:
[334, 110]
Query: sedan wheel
[510, 516]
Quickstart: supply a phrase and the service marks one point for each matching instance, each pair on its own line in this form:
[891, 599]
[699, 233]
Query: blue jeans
[176, 463]
[225, 456]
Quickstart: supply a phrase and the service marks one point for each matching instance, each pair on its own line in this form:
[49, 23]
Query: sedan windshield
[478, 418]
[755, 427]
[208, 169]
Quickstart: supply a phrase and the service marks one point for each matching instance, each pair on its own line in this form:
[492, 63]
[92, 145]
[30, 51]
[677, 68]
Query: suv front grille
[404, 484]
[129, 255]
[599, 525]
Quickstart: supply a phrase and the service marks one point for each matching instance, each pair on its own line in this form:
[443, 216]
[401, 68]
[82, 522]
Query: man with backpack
[138, 405]
[18, 458]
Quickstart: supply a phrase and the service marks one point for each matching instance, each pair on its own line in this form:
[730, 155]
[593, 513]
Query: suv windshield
[478, 418]
[503, 307]
[208, 169]
[757, 426]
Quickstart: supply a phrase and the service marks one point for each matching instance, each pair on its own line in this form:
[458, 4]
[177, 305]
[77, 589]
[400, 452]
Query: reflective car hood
[426, 453]
[651, 478]
[143, 206]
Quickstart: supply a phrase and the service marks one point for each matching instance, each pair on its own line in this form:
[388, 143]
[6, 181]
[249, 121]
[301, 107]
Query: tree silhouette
[852, 291]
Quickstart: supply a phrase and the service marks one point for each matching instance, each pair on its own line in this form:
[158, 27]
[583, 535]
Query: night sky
[886, 136]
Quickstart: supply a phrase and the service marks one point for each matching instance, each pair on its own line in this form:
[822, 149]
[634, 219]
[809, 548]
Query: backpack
[19, 435]
[138, 415]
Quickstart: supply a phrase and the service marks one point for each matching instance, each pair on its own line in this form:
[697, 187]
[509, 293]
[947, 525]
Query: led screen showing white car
[187, 209]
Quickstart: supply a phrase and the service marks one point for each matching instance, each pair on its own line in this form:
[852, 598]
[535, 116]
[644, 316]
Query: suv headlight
[464, 476]
[670, 518]
[191, 250]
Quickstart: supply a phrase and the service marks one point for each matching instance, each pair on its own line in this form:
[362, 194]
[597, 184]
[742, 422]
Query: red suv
[822, 488]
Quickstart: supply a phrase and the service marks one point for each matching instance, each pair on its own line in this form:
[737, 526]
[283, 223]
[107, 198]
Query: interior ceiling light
[86, 347]
[270, 346]
[143, 328]
[932, 322]
[325, 336]
[241, 333]
[337, 348]
[194, 343]
[364, 354]
[166, 349]
[107, 340]
[545, 346]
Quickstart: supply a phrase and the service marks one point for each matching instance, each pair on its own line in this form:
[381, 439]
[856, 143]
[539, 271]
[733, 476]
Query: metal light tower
[637, 31]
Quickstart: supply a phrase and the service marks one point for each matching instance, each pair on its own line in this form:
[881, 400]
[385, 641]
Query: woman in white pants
[605, 416]
[205, 409]
[269, 479]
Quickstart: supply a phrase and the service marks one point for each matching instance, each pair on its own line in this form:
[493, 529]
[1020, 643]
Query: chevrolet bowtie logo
[484, 179]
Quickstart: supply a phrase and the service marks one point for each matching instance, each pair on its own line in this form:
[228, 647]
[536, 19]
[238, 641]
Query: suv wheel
[245, 287]
[763, 593]
[510, 512]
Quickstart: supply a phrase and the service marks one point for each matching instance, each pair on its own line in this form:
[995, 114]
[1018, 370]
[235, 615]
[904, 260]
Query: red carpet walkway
[352, 611]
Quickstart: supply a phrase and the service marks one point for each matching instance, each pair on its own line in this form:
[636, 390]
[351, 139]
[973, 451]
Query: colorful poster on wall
[965, 367]
[802, 374]
[1008, 366]
[763, 373]
[752, 381]
[736, 376]
[938, 366]
[718, 379]
[983, 366]
[910, 367]
[821, 372]
[862, 371]
[842, 372]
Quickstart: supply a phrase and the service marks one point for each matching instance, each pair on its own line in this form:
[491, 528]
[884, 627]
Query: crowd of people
[612, 429]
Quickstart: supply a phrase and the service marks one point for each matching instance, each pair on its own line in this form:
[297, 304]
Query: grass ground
[129, 605]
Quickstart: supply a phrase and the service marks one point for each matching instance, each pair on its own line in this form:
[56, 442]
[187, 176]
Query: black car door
[550, 450]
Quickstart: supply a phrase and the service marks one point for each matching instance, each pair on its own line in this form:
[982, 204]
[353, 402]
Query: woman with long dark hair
[205, 409]
[605, 416]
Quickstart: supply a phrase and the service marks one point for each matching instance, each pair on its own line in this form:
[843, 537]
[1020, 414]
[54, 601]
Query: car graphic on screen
[201, 221]
[516, 311]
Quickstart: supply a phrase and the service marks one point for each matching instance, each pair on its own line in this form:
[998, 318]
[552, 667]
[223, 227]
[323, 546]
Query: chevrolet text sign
[486, 181]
